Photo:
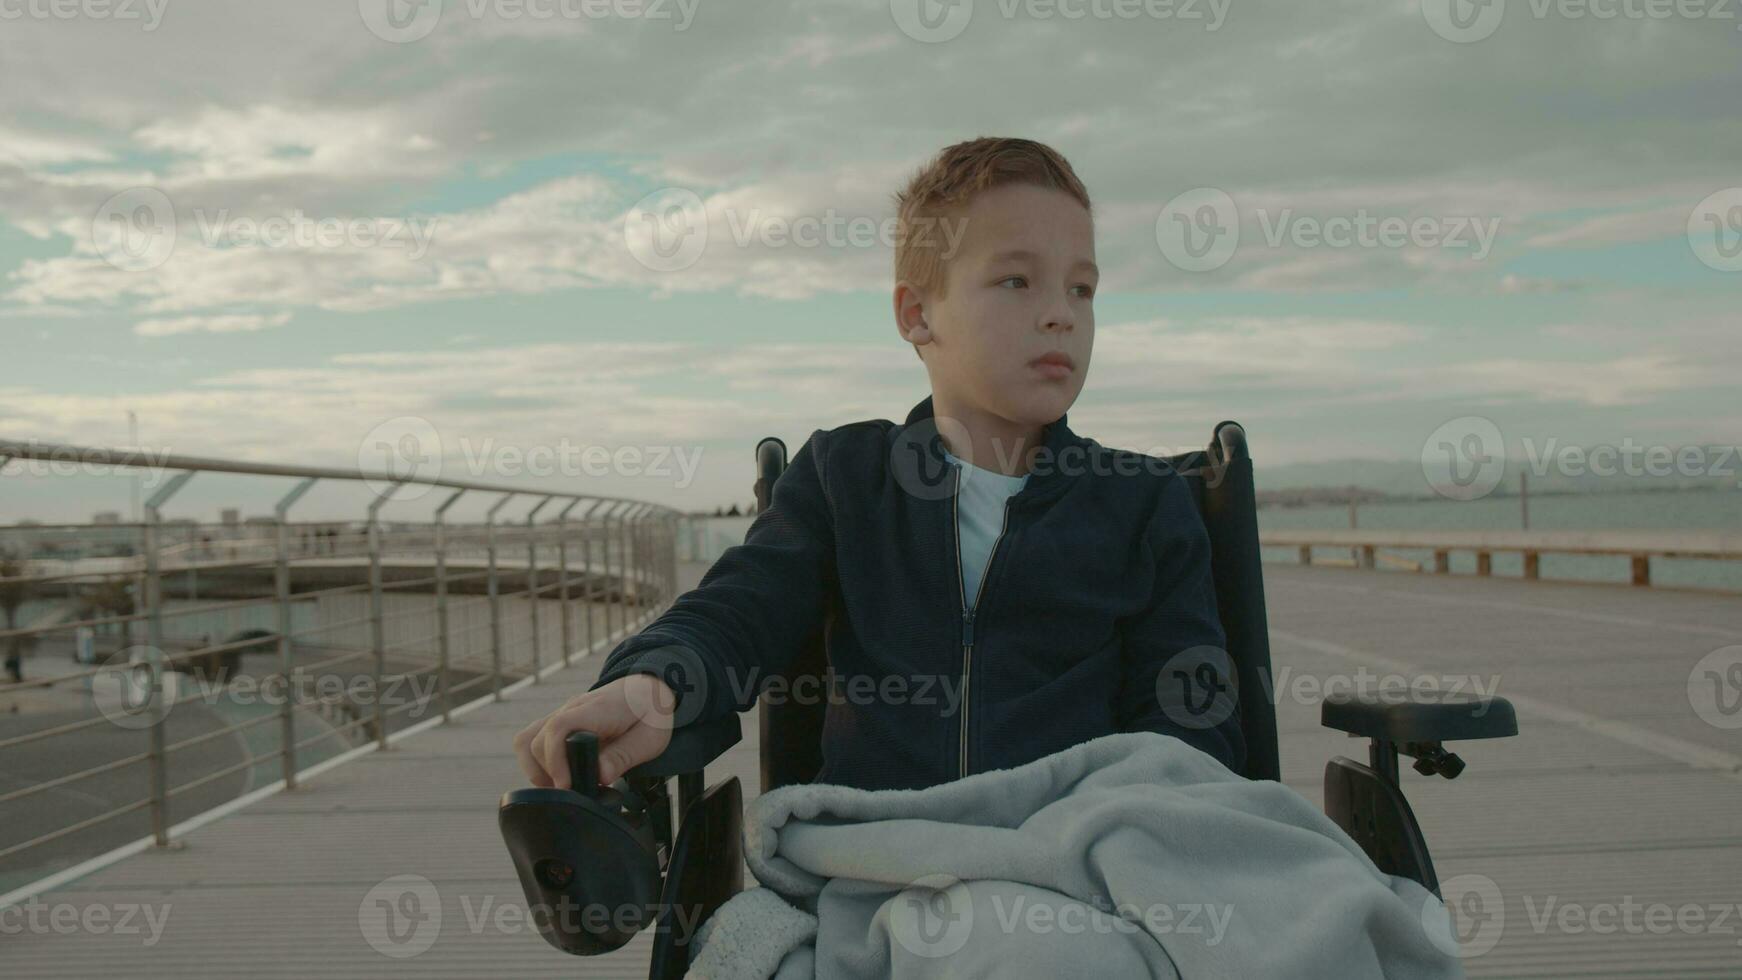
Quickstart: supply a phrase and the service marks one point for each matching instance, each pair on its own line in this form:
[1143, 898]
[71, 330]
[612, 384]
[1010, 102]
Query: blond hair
[949, 183]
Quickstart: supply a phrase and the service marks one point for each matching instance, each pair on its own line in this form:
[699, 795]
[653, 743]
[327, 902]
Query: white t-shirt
[979, 517]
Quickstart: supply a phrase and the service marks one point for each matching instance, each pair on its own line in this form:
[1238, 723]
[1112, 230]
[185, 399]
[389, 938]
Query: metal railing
[460, 606]
[1638, 547]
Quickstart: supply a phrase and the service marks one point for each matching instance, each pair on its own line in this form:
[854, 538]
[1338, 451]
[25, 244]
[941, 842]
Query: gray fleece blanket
[1131, 855]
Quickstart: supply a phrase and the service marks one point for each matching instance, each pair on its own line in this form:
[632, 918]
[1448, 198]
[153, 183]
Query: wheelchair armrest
[692, 747]
[1366, 800]
[1405, 721]
[610, 847]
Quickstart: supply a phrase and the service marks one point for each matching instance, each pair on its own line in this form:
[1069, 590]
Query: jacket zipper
[967, 612]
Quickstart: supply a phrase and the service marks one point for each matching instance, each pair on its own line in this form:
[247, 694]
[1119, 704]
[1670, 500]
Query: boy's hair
[949, 182]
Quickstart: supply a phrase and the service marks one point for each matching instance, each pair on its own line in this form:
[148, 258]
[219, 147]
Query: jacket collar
[1052, 474]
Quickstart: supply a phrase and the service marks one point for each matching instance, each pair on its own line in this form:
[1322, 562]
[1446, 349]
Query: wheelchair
[617, 848]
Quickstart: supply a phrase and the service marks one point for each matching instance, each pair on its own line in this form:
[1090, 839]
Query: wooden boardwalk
[1617, 801]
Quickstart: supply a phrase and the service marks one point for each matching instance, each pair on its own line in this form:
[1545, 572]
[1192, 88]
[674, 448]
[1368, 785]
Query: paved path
[1616, 813]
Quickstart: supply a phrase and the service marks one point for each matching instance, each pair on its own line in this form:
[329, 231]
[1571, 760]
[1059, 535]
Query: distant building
[230, 516]
[106, 517]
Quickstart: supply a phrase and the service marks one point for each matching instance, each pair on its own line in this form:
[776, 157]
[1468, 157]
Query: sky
[310, 232]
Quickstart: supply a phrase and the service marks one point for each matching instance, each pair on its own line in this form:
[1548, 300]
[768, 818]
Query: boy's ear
[910, 315]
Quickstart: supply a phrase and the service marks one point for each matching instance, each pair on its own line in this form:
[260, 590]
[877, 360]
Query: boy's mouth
[1054, 364]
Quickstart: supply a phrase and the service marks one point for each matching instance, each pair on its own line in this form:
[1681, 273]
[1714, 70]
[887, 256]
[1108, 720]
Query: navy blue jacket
[1095, 614]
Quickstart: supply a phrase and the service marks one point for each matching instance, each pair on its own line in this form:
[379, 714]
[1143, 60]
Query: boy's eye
[1082, 289]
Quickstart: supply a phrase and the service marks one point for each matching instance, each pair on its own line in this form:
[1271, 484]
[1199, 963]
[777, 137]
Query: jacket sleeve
[718, 644]
[1177, 676]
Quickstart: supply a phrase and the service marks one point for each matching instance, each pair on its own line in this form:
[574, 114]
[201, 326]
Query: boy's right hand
[631, 715]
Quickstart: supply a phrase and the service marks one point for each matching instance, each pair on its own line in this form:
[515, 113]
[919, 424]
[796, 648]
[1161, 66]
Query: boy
[996, 588]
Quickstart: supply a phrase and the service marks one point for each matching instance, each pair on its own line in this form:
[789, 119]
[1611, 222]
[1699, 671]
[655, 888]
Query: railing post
[656, 555]
[587, 576]
[649, 557]
[441, 605]
[1484, 562]
[1641, 569]
[633, 560]
[643, 558]
[660, 571]
[159, 757]
[605, 560]
[670, 559]
[532, 590]
[662, 553]
[662, 565]
[286, 658]
[676, 570]
[193, 565]
[562, 573]
[623, 571]
[1532, 565]
[1306, 554]
[495, 597]
[377, 629]
[622, 566]
[1442, 561]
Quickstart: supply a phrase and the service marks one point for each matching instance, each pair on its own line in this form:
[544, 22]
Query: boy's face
[1021, 285]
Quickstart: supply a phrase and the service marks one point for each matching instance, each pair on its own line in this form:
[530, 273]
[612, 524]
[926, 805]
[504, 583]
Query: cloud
[232, 323]
[31, 149]
[1209, 353]
[551, 237]
[1669, 221]
[255, 109]
[525, 147]
[1619, 381]
[218, 144]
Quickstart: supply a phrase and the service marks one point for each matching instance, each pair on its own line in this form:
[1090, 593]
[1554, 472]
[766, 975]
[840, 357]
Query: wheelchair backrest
[1221, 481]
